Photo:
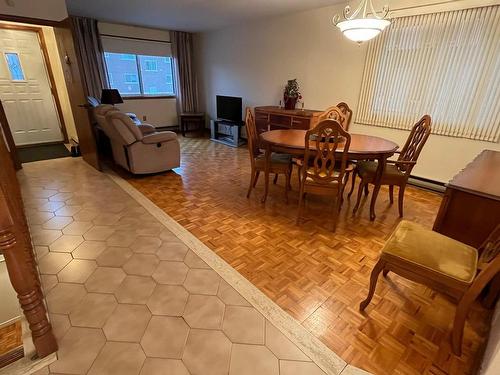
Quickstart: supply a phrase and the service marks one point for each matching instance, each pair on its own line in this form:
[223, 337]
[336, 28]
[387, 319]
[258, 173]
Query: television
[229, 108]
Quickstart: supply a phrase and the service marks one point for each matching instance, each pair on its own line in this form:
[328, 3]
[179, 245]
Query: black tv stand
[233, 140]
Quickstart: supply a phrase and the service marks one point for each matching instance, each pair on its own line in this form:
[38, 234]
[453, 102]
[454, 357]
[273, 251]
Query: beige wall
[158, 111]
[255, 60]
[54, 10]
[9, 308]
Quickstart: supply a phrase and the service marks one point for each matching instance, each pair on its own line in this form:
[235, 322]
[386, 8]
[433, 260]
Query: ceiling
[188, 15]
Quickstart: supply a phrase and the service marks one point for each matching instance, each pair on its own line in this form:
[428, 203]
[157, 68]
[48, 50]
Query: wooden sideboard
[271, 118]
[470, 209]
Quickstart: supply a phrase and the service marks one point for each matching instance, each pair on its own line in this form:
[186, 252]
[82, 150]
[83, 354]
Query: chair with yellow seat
[280, 163]
[326, 149]
[441, 263]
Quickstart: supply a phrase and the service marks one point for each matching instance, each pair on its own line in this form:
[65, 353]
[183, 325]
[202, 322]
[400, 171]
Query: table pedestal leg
[266, 172]
[377, 182]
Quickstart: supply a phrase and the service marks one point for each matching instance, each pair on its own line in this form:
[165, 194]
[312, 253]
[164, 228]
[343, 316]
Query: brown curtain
[90, 53]
[186, 89]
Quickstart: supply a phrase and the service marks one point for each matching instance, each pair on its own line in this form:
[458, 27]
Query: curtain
[186, 85]
[444, 64]
[90, 53]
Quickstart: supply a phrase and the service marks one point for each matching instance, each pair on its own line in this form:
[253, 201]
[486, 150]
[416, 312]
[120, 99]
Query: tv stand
[233, 127]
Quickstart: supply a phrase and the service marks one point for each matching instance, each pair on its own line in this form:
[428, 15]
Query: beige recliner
[138, 148]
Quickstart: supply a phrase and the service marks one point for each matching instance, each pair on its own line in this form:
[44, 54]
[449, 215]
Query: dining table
[362, 147]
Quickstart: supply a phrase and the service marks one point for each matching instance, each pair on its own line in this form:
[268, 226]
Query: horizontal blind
[443, 64]
[135, 46]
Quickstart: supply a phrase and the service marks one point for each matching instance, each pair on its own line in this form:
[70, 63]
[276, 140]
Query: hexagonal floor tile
[158, 366]
[281, 346]
[253, 359]
[77, 271]
[243, 325]
[68, 210]
[39, 217]
[299, 368]
[114, 256]
[121, 238]
[194, 261]
[165, 337]
[63, 298]
[77, 350]
[118, 358]
[52, 263]
[172, 251]
[168, 300]
[85, 214]
[141, 264]
[106, 219]
[168, 236]
[44, 237]
[173, 273]
[66, 243]
[99, 233]
[230, 296]
[135, 289]
[60, 325]
[134, 317]
[207, 352]
[150, 228]
[48, 282]
[89, 250]
[105, 280]
[145, 244]
[93, 311]
[57, 222]
[78, 228]
[204, 312]
[202, 282]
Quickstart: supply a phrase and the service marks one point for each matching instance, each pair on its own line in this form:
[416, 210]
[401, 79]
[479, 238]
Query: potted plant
[291, 94]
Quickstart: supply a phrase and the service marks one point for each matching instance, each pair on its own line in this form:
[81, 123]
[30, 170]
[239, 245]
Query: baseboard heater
[427, 184]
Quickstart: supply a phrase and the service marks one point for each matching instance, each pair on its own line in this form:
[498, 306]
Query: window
[140, 75]
[15, 68]
[444, 64]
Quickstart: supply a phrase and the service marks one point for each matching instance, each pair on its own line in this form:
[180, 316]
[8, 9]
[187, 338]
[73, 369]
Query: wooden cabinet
[470, 209]
[272, 118]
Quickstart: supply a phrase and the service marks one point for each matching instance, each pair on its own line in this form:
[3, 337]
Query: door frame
[50, 73]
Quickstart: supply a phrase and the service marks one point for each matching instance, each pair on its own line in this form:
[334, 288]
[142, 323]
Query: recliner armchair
[138, 148]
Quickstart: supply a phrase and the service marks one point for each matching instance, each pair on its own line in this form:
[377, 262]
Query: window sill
[125, 98]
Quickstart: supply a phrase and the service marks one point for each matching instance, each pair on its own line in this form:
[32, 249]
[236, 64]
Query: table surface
[481, 176]
[360, 143]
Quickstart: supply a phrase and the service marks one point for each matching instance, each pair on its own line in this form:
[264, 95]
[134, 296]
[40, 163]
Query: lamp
[364, 28]
[111, 96]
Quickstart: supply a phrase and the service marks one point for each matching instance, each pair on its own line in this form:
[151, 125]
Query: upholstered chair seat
[260, 160]
[367, 170]
[431, 250]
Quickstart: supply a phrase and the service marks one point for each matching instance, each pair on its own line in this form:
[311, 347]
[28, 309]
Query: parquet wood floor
[317, 276]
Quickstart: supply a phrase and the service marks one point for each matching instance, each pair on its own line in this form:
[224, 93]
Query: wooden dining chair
[441, 263]
[280, 163]
[398, 171]
[340, 112]
[325, 172]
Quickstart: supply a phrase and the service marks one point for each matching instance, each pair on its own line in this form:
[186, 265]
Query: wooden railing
[16, 247]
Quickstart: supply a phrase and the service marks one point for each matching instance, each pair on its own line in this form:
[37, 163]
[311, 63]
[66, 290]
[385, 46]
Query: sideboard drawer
[300, 123]
[280, 120]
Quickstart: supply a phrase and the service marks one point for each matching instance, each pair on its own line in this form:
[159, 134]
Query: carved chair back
[252, 138]
[490, 249]
[330, 146]
[334, 113]
[414, 144]
[344, 108]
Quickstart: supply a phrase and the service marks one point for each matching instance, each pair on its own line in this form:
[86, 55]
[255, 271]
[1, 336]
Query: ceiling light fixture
[366, 27]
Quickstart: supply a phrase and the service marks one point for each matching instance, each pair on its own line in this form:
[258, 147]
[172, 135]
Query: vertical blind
[443, 64]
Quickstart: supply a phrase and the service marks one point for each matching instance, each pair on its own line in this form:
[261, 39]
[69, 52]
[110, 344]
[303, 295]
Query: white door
[25, 89]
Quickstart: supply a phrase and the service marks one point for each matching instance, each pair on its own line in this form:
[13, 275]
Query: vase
[290, 102]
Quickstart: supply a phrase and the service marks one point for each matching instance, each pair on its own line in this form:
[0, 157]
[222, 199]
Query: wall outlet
[144, 118]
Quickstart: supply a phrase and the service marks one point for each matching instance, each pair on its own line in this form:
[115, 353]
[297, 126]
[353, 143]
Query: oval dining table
[363, 147]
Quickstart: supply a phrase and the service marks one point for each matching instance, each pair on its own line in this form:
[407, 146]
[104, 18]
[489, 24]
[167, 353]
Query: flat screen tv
[229, 108]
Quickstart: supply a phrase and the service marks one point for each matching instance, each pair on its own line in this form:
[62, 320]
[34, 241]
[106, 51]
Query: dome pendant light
[366, 27]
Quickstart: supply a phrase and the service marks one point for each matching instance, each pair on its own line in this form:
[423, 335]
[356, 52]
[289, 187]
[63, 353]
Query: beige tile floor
[126, 296]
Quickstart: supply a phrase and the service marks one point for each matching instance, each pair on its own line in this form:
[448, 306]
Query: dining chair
[325, 172]
[441, 263]
[280, 163]
[340, 112]
[396, 172]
